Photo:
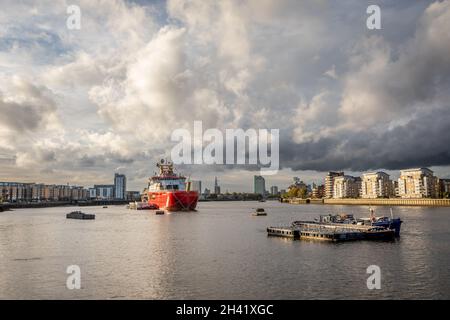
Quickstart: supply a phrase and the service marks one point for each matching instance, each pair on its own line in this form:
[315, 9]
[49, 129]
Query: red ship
[168, 190]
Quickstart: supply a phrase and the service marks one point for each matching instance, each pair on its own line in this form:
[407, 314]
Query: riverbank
[375, 202]
[391, 202]
[23, 205]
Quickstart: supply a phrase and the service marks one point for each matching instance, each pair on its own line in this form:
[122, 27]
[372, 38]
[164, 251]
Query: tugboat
[259, 212]
[80, 215]
[167, 190]
[390, 223]
[383, 221]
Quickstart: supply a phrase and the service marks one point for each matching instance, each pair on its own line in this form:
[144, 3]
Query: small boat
[104, 207]
[80, 215]
[390, 223]
[159, 212]
[147, 206]
[259, 212]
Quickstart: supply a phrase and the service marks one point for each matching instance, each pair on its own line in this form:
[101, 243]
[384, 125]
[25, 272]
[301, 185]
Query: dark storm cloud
[394, 112]
[424, 141]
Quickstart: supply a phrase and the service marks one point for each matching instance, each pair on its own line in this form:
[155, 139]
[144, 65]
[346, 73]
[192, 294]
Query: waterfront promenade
[425, 202]
[46, 204]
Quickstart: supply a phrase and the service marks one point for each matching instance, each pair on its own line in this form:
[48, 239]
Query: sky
[78, 105]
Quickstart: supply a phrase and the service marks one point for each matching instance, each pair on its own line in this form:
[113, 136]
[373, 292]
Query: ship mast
[165, 168]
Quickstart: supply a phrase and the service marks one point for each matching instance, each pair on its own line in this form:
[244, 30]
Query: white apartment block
[376, 185]
[346, 187]
[417, 183]
[329, 183]
[104, 192]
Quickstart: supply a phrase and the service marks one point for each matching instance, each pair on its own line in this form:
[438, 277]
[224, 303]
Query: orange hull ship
[168, 190]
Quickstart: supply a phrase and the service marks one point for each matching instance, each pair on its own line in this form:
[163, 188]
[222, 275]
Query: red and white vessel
[168, 190]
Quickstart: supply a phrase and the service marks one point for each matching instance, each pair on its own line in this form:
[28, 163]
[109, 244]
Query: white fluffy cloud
[151, 93]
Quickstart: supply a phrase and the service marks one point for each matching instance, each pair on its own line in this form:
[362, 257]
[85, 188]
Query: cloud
[382, 86]
[393, 109]
[147, 99]
[422, 140]
[26, 110]
[83, 70]
[331, 72]
[110, 94]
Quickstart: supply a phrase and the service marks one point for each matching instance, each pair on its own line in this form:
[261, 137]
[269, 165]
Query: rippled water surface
[219, 252]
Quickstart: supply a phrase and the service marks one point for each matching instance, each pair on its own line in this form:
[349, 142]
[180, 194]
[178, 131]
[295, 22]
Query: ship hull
[174, 200]
[393, 224]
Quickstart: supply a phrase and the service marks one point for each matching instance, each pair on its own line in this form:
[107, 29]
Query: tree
[302, 193]
[292, 192]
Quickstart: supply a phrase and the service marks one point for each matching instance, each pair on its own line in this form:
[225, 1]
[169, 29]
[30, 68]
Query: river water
[219, 252]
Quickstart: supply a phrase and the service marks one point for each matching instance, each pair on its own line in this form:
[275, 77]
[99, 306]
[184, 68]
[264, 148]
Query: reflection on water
[219, 252]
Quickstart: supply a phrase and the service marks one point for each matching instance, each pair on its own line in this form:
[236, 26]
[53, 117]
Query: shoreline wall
[22, 205]
[426, 202]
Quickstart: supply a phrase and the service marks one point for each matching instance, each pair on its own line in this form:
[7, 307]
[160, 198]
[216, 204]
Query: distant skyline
[79, 105]
[229, 182]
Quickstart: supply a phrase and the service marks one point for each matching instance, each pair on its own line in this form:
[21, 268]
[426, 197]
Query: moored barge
[342, 232]
[80, 215]
[286, 232]
[373, 220]
[331, 232]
